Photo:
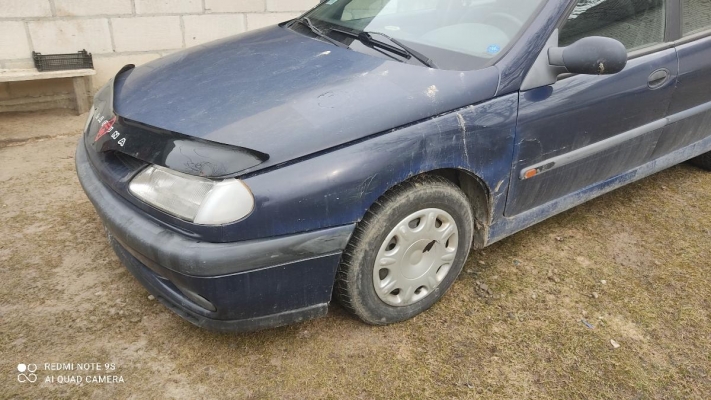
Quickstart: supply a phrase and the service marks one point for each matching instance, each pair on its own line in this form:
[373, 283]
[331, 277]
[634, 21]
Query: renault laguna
[360, 151]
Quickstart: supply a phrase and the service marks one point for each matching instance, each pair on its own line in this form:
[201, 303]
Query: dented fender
[337, 187]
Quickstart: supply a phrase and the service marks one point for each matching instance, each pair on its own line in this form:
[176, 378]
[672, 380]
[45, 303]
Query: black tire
[354, 287]
[703, 161]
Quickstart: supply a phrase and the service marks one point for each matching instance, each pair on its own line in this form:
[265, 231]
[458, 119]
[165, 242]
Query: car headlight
[199, 200]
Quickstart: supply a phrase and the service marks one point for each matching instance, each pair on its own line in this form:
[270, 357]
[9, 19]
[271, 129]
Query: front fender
[337, 187]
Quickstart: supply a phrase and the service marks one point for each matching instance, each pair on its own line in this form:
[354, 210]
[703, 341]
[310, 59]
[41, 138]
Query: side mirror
[594, 55]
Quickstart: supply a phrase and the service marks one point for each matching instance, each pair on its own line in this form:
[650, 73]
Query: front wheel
[406, 252]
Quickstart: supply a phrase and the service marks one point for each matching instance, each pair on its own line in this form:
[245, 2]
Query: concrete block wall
[119, 32]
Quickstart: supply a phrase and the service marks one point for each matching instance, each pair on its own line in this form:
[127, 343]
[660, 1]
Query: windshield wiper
[307, 23]
[403, 50]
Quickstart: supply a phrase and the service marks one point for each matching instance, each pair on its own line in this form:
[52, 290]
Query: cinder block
[108, 66]
[147, 33]
[256, 21]
[13, 40]
[168, 52]
[25, 8]
[205, 28]
[69, 8]
[26, 63]
[70, 36]
[168, 6]
[235, 5]
[290, 5]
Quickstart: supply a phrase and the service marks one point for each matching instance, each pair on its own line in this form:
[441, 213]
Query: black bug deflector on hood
[108, 131]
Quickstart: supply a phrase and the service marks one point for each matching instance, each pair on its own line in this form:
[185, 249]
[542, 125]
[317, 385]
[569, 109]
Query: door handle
[658, 78]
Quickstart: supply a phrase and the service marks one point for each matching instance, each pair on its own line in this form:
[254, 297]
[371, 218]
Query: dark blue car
[361, 150]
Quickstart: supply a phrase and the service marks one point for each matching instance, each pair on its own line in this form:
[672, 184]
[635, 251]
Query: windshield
[454, 34]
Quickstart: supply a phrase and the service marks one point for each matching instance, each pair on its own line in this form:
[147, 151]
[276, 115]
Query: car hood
[286, 95]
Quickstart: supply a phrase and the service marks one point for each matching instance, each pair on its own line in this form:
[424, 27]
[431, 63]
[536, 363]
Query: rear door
[586, 129]
[690, 109]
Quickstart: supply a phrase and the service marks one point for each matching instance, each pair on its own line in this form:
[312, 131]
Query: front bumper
[239, 286]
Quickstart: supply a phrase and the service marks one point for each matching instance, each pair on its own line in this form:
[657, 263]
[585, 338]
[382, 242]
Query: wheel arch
[478, 193]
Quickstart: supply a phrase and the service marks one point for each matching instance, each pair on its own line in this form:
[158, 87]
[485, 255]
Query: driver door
[585, 129]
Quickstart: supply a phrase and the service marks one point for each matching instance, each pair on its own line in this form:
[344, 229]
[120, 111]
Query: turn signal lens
[530, 173]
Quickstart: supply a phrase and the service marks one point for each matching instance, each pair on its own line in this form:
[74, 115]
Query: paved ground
[64, 298]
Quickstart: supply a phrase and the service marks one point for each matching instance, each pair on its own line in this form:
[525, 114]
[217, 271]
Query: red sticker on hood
[106, 127]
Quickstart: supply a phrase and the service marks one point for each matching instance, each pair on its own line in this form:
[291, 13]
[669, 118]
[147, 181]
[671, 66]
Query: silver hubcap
[415, 257]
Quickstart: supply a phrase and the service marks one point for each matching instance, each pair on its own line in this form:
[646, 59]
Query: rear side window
[635, 23]
[695, 16]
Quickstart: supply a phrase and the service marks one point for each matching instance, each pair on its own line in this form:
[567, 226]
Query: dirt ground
[530, 317]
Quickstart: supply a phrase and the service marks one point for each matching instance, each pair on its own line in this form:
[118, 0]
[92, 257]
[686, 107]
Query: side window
[635, 23]
[695, 16]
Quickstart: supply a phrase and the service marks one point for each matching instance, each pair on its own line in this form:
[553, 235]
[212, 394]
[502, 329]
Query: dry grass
[64, 297]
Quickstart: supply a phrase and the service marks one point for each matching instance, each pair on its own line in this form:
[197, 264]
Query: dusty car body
[318, 133]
